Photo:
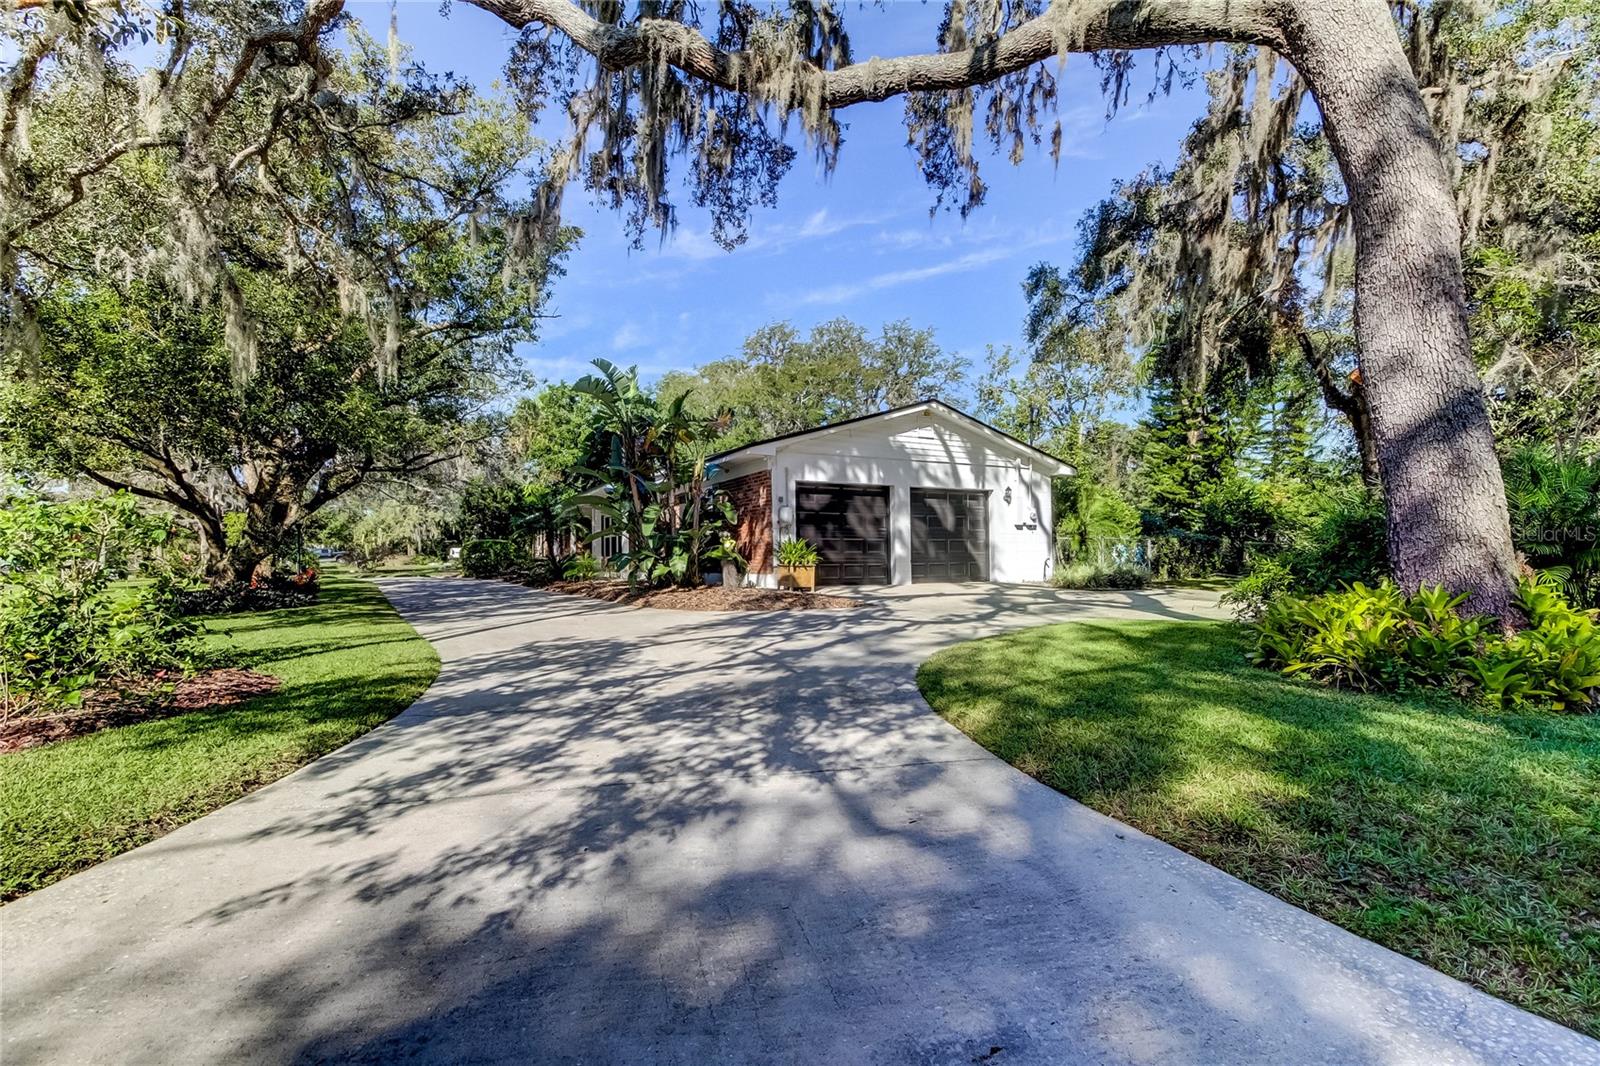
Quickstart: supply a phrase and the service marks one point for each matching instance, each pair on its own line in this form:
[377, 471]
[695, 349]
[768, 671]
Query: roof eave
[1039, 458]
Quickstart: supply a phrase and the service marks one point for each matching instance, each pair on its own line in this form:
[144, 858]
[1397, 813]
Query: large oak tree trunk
[1447, 515]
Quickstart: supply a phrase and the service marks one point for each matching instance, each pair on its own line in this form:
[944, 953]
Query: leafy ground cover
[1467, 840]
[346, 664]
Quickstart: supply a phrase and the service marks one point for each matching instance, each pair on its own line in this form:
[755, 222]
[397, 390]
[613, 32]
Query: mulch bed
[157, 698]
[705, 598]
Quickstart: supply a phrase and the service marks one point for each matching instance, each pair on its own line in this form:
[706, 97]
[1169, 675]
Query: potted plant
[797, 565]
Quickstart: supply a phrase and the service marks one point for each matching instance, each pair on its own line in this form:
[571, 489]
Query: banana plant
[653, 489]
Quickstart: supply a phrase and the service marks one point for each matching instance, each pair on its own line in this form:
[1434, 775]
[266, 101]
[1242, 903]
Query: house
[917, 493]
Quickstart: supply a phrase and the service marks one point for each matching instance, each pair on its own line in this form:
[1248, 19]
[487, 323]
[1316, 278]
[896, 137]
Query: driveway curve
[609, 835]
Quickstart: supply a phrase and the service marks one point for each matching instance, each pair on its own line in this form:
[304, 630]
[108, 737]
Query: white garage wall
[926, 452]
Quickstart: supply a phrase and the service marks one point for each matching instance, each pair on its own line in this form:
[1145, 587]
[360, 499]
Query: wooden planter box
[797, 577]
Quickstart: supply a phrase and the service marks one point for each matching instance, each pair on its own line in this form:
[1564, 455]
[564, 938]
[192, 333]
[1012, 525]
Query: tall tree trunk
[1446, 502]
[273, 492]
[1352, 404]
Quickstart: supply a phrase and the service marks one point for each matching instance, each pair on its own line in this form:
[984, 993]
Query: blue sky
[858, 243]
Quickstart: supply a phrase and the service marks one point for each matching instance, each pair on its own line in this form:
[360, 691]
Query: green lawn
[347, 664]
[1469, 841]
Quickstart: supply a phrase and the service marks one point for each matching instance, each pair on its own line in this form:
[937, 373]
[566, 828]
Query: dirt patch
[156, 698]
[705, 598]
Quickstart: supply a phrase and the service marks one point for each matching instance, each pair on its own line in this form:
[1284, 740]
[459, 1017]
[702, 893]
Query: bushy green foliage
[1217, 479]
[237, 598]
[1555, 515]
[1555, 660]
[1183, 454]
[1092, 515]
[783, 382]
[1343, 541]
[68, 622]
[395, 528]
[653, 489]
[1377, 637]
[1346, 540]
[337, 312]
[581, 567]
[1268, 580]
[490, 557]
[1085, 575]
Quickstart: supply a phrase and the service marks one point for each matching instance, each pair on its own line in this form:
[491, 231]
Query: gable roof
[1049, 463]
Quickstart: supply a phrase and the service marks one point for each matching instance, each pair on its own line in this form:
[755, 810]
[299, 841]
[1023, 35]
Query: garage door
[849, 524]
[949, 535]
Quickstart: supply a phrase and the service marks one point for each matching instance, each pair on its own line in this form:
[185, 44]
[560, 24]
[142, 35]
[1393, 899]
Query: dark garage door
[949, 535]
[849, 524]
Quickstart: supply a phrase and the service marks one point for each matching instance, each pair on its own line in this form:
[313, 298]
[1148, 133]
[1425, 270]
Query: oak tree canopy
[718, 87]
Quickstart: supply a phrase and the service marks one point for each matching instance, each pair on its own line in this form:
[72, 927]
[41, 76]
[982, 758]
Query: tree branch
[1067, 26]
[303, 34]
[166, 496]
[76, 177]
[1353, 405]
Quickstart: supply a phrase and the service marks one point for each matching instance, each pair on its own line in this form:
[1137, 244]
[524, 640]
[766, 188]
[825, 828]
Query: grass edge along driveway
[1466, 840]
[347, 664]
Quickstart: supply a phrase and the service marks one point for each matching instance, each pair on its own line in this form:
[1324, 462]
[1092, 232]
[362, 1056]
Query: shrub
[1092, 514]
[1559, 652]
[1346, 543]
[1267, 580]
[68, 620]
[581, 567]
[1125, 577]
[1377, 637]
[276, 595]
[489, 558]
[1090, 576]
[1554, 501]
[541, 570]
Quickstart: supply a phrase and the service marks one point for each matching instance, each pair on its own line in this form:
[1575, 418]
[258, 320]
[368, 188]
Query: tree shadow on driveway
[618, 835]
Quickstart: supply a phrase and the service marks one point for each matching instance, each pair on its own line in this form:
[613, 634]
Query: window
[609, 545]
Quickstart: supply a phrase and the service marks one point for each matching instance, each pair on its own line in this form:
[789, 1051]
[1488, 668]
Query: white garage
[918, 493]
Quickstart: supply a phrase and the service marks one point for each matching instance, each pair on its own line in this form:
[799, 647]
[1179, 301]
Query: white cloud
[997, 245]
[838, 293]
[686, 242]
[629, 335]
[1081, 125]
[821, 224]
[697, 245]
[909, 239]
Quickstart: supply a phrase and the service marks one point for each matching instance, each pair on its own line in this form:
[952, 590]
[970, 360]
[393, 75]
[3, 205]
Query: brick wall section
[751, 497]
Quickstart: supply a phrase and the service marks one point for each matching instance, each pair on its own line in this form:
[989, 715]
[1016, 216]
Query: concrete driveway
[618, 836]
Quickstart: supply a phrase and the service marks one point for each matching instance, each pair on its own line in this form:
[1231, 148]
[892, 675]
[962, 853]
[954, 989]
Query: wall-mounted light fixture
[1008, 493]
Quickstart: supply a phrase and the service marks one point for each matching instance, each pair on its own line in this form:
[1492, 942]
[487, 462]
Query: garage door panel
[849, 524]
[949, 535]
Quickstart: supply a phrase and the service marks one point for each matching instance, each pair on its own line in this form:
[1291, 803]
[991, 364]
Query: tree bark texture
[1446, 504]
